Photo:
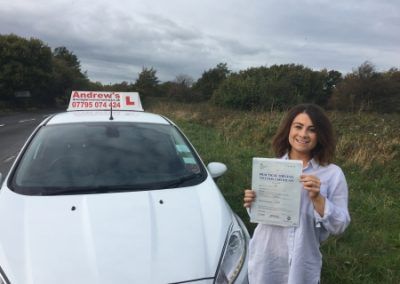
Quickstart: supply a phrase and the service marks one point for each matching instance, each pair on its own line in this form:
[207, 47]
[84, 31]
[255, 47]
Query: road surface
[15, 129]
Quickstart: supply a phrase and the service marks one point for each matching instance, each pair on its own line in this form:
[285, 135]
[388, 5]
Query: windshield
[106, 157]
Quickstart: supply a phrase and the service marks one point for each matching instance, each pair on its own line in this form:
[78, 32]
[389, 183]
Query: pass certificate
[278, 191]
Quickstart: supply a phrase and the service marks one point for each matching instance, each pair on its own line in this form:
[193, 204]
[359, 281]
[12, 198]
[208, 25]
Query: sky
[115, 40]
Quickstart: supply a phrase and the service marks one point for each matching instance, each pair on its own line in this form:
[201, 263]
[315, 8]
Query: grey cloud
[351, 22]
[236, 47]
[119, 42]
[113, 42]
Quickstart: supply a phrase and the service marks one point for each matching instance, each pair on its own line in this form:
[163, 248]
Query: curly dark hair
[324, 151]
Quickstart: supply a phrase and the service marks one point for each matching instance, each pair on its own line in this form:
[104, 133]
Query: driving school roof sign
[89, 100]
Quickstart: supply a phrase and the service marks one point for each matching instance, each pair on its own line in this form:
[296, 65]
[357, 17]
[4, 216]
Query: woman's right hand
[249, 196]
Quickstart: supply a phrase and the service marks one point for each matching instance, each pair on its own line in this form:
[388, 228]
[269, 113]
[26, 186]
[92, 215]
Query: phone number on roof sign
[96, 104]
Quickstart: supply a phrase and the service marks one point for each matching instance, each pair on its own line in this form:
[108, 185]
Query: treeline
[30, 66]
[281, 86]
[50, 75]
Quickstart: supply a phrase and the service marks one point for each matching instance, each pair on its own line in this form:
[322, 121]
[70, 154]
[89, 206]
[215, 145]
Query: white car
[113, 196]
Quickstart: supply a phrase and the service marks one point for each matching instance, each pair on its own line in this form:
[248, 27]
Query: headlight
[3, 277]
[234, 253]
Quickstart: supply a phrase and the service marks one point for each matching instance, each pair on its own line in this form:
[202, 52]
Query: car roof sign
[92, 100]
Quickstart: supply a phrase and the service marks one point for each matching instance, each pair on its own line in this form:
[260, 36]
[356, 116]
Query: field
[368, 151]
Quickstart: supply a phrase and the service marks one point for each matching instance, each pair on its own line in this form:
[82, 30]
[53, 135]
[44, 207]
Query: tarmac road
[15, 129]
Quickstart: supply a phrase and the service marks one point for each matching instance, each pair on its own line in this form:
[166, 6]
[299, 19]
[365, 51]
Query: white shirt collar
[313, 163]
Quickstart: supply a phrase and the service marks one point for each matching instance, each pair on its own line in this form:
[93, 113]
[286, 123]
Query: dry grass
[363, 140]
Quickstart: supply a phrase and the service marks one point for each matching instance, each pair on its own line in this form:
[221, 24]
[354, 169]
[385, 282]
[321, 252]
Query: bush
[275, 87]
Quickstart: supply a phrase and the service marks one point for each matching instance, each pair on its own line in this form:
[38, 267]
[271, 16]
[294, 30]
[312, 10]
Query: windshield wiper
[117, 188]
[85, 190]
[178, 181]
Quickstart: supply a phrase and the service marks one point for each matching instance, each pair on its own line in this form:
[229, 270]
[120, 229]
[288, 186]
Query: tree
[70, 59]
[366, 79]
[320, 85]
[67, 74]
[180, 89]
[184, 80]
[147, 82]
[210, 80]
[120, 87]
[25, 65]
[391, 97]
[365, 89]
[274, 87]
[332, 80]
[30, 65]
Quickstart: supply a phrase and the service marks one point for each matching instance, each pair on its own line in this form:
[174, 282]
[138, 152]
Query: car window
[93, 157]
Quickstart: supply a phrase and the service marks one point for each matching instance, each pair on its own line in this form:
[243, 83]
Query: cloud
[114, 40]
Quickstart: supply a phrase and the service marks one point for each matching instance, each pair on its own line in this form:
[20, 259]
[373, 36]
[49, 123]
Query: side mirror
[216, 169]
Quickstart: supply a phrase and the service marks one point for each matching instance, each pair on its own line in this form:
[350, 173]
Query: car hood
[161, 236]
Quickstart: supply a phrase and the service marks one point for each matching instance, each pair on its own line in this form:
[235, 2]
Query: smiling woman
[317, 127]
[280, 254]
[302, 137]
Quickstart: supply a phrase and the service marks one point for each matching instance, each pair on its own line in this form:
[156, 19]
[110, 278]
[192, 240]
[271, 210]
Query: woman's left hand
[313, 185]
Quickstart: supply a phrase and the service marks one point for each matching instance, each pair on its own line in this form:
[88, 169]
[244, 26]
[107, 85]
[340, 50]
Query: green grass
[368, 152]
